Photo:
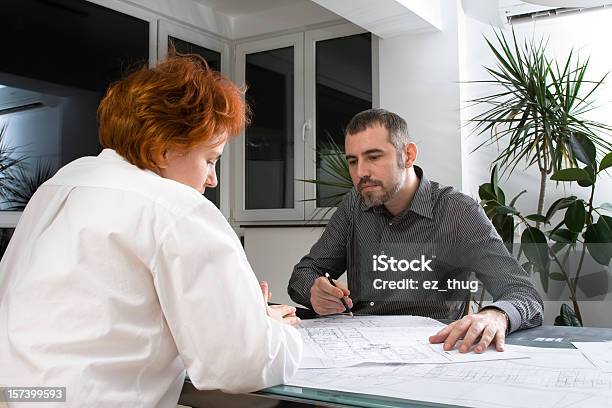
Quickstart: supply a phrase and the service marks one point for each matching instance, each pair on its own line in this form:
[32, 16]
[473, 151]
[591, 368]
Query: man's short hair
[178, 104]
[395, 125]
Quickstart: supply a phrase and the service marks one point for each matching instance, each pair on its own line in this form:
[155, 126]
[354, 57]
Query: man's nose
[363, 170]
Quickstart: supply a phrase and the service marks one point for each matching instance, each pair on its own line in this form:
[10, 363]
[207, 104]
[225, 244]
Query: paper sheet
[550, 378]
[345, 342]
[599, 353]
[371, 321]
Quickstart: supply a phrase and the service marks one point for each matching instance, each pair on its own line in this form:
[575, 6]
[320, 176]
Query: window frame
[311, 211]
[242, 49]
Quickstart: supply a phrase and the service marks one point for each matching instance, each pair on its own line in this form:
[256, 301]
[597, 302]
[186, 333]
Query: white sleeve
[215, 309]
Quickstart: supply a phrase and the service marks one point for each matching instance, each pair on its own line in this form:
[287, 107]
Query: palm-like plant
[25, 184]
[539, 112]
[334, 173]
[540, 117]
[17, 183]
[9, 164]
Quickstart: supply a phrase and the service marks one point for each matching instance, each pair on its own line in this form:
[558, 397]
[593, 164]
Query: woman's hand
[282, 313]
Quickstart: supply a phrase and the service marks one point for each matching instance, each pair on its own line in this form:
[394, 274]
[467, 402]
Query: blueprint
[344, 342]
[550, 378]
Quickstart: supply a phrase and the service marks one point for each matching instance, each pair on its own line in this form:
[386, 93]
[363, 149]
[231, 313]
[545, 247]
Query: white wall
[419, 80]
[587, 32]
[273, 252]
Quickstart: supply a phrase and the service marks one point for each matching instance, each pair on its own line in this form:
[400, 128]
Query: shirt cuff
[299, 290]
[514, 317]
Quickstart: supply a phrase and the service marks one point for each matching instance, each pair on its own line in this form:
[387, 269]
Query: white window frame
[206, 40]
[280, 214]
[311, 211]
[9, 219]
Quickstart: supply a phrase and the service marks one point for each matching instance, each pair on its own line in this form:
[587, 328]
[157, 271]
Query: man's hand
[325, 299]
[282, 313]
[489, 325]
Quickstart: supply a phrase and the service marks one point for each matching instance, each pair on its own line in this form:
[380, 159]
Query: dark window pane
[269, 139]
[61, 58]
[5, 237]
[213, 58]
[343, 88]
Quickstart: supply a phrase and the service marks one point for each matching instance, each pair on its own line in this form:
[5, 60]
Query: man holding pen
[434, 236]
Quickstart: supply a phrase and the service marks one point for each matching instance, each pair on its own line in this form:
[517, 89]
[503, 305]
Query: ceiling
[241, 7]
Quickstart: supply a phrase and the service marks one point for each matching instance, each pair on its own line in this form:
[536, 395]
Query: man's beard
[374, 198]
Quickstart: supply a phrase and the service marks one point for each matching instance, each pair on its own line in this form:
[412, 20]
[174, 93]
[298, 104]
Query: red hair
[178, 104]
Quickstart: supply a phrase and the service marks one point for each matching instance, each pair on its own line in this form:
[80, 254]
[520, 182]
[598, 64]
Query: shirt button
[371, 303]
[390, 223]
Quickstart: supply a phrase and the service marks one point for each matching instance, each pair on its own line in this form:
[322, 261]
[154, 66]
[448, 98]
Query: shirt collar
[113, 155]
[422, 202]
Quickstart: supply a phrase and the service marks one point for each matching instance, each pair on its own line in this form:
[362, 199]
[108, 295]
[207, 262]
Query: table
[289, 396]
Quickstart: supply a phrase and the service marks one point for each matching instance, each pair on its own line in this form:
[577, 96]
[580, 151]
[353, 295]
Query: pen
[342, 298]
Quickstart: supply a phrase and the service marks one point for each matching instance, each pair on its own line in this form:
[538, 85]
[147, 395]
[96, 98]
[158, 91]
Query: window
[54, 71]
[215, 52]
[270, 158]
[303, 90]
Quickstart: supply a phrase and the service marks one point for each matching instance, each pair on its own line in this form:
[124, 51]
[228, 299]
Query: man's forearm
[300, 283]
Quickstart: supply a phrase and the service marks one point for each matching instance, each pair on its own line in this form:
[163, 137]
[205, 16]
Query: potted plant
[538, 118]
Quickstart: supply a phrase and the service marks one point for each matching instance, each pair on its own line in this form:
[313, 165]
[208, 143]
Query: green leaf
[605, 162]
[598, 239]
[559, 205]
[485, 192]
[504, 209]
[567, 317]
[535, 246]
[573, 174]
[564, 235]
[504, 225]
[556, 276]
[516, 198]
[583, 148]
[558, 246]
[494, 182]
[575, 216]
[536, 218]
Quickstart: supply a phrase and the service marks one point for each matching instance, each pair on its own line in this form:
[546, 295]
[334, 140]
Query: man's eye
[352, 162]
[373, 158]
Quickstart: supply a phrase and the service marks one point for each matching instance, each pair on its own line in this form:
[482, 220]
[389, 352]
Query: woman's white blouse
[117, 280]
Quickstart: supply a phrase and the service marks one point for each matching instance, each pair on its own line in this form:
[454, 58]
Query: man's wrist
[507, 318]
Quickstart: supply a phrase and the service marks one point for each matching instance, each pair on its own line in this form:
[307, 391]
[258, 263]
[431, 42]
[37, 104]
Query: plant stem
[569, 285]
[589, 221]
[543, 177]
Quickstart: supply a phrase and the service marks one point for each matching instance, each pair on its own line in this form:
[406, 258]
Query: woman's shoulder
[105, 174]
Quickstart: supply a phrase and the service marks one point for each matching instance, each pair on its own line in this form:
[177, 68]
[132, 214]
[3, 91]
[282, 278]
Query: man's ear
[410, 154]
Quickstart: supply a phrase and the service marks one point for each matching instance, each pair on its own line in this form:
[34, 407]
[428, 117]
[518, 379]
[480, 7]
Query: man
[440, 236]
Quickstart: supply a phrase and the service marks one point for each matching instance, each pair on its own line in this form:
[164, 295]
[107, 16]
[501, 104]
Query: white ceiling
[241, 7]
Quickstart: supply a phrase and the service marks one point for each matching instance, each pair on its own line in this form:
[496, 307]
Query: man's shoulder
[448, 199]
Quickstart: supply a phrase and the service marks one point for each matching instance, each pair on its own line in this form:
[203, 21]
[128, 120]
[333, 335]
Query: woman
[121, 275]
